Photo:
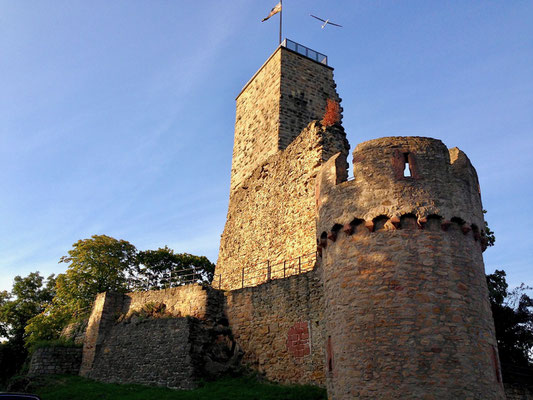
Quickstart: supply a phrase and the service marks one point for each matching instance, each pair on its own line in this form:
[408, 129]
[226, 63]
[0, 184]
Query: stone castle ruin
[373, 286]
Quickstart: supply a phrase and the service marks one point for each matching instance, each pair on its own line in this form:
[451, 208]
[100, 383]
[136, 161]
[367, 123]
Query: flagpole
[280, 19]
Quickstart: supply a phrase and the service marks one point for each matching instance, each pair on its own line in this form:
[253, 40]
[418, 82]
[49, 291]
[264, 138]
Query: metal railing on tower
[305, 51]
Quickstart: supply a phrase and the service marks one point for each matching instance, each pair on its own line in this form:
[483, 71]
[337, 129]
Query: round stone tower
[406, 303]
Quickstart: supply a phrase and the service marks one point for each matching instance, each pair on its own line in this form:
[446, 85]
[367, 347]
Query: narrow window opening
[407, 167]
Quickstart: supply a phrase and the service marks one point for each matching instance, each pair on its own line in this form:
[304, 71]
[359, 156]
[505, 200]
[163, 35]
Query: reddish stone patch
[398, 163]
[298, 340]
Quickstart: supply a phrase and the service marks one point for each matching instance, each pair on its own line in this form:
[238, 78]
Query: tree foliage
[162, 268]
[488, 234]
[29, 296]
[103, 263]
[513, 320]
[95, 265]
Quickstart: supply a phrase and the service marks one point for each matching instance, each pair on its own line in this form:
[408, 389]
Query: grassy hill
[242, 388]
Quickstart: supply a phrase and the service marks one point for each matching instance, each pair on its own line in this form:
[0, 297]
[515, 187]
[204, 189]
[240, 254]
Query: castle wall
[152, 352]
[279, 327]
[190, 300]
[415, 318]
[75, 332]
[406, 303]
[271, 216]
[55, 361]
[165, 337]
[287, 93]
[105, 309]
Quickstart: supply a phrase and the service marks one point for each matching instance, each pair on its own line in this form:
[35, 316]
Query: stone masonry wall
[443, 183]
[123, 344]
[151, 351]
[279, 327]
[106, 308]
[75, 332]
[306, 86]
[406, 303]
[257, 120]
[286, 93]
[203, 332]
[55, 361]
[408, 315]
[271, 216]
[190, 300]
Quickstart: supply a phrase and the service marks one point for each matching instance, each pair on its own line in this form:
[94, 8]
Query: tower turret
[406, 303]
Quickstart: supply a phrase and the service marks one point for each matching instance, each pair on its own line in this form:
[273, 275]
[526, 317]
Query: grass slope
[243, 388]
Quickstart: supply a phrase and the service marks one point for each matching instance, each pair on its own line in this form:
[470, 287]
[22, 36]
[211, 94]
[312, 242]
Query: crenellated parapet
[400, 177]
[406, 222]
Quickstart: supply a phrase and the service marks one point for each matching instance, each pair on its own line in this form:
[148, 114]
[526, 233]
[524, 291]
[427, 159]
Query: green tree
[513, 321]
[489, 237]
[95, 265]
[101, 264]
[29, 296]
[162, 268]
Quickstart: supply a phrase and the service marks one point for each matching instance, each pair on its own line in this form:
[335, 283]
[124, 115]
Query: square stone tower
[288, 91]
[276, 156]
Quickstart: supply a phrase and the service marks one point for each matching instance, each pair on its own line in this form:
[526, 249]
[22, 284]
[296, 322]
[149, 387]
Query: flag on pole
[274, 11]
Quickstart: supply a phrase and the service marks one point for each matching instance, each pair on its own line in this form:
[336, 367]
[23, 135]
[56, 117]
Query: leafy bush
[150, 310]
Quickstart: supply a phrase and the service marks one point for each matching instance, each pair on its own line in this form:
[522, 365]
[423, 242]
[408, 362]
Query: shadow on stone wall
[171, 337]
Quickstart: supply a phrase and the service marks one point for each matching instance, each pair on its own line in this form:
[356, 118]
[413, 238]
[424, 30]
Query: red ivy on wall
[332, 114]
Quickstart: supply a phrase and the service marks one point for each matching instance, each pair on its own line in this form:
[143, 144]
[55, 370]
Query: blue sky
[117, 117]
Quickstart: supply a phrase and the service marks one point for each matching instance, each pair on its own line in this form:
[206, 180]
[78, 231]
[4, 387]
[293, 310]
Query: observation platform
[305, 51]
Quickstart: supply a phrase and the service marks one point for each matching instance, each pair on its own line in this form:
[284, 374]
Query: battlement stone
[438, 184]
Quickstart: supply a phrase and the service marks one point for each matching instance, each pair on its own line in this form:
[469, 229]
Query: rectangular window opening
[407, 167]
